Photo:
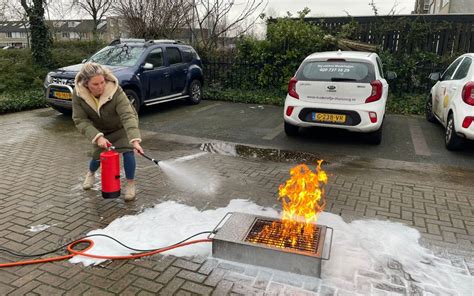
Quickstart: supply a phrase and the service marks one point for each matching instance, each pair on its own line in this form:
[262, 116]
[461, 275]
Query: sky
[337, 7]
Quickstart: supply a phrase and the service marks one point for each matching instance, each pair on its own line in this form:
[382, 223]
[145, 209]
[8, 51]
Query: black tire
[375, 138]
[134, 99]
[429, 110]
[452, 140]
[195, 92]
[291, 130]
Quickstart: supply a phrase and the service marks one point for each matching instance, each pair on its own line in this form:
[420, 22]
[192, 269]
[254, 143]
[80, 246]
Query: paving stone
[192, 276]
[172, 286]
[197, 288]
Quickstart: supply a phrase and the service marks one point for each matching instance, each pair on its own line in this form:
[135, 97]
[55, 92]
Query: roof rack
[170, 41]
[126, 40]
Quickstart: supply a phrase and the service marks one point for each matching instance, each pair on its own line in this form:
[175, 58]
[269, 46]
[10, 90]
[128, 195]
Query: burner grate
[271, 233]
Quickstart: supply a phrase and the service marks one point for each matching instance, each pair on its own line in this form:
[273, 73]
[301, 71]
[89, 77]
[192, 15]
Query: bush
[20, 73]
[26, 100]
[407, 104]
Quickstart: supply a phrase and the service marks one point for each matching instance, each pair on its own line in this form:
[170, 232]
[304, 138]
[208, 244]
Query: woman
[102, 112]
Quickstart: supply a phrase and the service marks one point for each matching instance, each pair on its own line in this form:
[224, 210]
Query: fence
[230, 73]
[227, 73]
[447, 34]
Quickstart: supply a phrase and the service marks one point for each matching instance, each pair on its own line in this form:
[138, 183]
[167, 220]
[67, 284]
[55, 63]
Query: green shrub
[407, 104]
[25, 100]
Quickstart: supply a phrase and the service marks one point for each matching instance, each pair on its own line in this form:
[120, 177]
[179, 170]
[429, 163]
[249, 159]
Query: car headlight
[47, 80]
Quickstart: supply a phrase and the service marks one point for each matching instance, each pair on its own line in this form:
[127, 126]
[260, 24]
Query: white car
[340, 89]
[451, 101]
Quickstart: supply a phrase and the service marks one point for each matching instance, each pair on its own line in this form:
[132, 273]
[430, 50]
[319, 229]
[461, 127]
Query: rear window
[336, 71]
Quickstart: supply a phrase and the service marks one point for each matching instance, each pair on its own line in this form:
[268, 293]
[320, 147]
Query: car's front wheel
[429, 110]
[134, 99]
[452, 140]
[291, 130]
[195, 92]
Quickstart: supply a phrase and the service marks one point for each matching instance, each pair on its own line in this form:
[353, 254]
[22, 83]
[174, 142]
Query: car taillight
[468, 93]
[289, 110]
[292, 88]
[467, 121]
[376, 93]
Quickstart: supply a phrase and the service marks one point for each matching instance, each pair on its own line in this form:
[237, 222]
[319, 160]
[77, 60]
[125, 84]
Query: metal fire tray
[231, 242]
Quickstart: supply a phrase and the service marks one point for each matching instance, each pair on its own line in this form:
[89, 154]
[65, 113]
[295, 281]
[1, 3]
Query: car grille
[63, 81]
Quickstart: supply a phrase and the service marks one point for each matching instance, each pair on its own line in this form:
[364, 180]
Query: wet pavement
[44, 158]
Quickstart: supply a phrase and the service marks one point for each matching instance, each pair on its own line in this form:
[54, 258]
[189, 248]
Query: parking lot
[410, 178]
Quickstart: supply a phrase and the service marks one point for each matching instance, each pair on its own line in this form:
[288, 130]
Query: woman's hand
[137, 147]
[103, 142]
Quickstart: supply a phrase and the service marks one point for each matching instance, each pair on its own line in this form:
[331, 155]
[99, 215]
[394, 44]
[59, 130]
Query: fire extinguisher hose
[90, 243]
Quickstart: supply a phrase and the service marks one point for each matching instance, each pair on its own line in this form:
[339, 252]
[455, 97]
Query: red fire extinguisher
[110, 172]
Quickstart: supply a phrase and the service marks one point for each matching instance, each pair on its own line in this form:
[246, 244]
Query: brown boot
[88, 181]
[130, 191]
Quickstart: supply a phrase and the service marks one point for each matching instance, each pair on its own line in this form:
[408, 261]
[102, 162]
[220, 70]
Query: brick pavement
[43, 160]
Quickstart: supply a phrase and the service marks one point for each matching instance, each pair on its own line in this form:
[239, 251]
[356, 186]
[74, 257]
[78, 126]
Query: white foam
[369, 251]
[40, 227]
[189, 178]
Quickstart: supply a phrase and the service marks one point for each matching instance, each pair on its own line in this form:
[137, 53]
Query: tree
[40, 38]
[97, 9]
[154, 18]
[212, 19]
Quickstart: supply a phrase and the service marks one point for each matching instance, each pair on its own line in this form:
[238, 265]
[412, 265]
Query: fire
[303, 199]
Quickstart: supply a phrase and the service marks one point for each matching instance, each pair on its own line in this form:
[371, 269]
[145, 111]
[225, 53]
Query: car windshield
[122, 55]
[336, 71]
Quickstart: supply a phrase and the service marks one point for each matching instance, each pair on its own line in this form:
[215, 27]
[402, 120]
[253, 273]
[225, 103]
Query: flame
[303, 199]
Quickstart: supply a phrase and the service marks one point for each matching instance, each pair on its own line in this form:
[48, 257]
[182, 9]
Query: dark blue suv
[150, 72]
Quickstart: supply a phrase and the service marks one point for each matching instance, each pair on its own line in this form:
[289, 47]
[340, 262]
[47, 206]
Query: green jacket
[114, 117]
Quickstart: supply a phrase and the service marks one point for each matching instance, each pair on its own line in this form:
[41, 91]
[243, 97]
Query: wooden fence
[447, 34]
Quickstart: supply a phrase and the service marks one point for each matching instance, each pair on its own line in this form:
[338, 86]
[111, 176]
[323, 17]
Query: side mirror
[147, 66]
[390, 75]
[435, 76]
[83, 61]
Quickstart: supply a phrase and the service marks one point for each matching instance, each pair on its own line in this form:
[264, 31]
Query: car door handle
[454, 88]
[167, 75]
[185, 71]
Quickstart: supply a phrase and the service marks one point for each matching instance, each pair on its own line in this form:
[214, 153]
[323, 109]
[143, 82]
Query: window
[336, 71]
[65, 34]
[9, 34]
[174, 57]
[187, 55]
[448, 74]
[379, 64]
[155, 57]
[463, 69]
[120, 55]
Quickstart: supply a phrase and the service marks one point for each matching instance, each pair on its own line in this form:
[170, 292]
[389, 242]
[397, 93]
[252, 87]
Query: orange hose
[91, 244]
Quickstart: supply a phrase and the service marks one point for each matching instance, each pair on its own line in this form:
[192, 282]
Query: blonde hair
[90, 70]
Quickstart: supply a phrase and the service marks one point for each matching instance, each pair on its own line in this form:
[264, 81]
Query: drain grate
[275, 234]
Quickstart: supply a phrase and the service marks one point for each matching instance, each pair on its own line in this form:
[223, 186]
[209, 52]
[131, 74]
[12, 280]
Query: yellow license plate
[325, 117]
[62, 95]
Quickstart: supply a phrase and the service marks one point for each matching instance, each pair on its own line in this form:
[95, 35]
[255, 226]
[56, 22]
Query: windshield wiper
[342, 79]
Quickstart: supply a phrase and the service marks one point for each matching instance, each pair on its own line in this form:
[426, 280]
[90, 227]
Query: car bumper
[362, 124]
[467, 133]
[55, 102]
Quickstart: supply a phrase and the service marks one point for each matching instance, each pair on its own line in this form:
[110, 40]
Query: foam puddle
[368, 256]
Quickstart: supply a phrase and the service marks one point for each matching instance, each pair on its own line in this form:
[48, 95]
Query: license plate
[62, 95]
[325, 117]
